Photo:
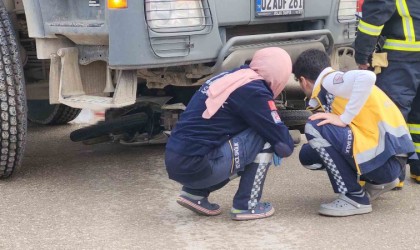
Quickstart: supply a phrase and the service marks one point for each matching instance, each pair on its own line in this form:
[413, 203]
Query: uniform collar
[313, 102]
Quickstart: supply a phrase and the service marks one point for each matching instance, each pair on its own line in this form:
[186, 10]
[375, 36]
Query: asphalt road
[71, 196]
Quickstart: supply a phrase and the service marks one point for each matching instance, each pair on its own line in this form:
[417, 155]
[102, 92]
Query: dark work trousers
[400, 81]
[246, 155]
[329, 147]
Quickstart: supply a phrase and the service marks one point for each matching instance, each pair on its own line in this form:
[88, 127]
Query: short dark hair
[311, 63]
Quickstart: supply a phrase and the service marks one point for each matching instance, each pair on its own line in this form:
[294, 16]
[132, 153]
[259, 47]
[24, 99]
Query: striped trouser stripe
[319, 144]
[415, 133]
[264, 161]
[417, 147]
[329, 163]
[414, 128]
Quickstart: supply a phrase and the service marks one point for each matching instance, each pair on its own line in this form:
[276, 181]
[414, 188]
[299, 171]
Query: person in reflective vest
[357, 133]
[396, 59]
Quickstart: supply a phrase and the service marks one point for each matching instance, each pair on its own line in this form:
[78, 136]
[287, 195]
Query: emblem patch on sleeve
[276, 117]
[338, 78]
[94, 3]
[272, 105]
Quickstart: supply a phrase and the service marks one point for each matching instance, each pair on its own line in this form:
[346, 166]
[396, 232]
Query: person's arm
[258, 112]
[375, 13]
[355, 85]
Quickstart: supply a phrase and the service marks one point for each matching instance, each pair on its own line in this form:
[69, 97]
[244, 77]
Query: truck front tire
[12, 98]
[293, 118]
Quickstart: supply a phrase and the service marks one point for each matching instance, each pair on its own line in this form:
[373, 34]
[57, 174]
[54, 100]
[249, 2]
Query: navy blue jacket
[247, 107]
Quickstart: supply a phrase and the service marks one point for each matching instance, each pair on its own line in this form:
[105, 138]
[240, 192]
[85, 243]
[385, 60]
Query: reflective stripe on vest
[384, 128]
[369, 29]
[409, 44]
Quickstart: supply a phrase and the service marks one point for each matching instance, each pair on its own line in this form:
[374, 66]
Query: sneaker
[344, 206]
[262, 210]
[202, 207]
[374, 191]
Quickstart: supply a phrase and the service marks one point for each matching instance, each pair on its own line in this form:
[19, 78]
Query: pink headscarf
[270, 64]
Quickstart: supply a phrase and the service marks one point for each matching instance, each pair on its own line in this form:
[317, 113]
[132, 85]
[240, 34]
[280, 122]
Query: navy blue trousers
[330, 148]
[401, 81]
[246, 155]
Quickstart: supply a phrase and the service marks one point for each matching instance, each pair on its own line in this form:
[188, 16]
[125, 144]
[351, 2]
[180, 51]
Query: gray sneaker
[374, 191]
[344, 206]
[203, 206]
[261, 210]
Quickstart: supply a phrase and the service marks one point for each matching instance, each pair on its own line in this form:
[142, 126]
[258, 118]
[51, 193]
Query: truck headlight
[175, 15]
[347, 11]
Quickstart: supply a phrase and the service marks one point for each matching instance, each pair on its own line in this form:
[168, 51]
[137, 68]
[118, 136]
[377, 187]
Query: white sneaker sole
[343, 213]
[344, 206]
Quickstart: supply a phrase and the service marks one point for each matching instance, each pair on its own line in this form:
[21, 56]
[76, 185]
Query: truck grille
[347, 15]
[351, 30]
[171, 46]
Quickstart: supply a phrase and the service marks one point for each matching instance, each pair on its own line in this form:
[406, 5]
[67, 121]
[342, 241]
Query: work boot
[415, 172]
[400, 185]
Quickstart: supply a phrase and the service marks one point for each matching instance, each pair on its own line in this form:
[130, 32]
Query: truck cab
[141, 61]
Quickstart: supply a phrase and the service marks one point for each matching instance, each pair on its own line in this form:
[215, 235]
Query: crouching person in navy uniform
[358, 133]
[231, 128]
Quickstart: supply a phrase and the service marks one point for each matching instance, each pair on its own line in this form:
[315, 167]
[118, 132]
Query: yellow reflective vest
[379, 130]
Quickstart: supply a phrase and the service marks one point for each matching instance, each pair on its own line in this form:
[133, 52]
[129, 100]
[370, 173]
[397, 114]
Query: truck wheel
[42, 112]
[12, 98]
[292, 118]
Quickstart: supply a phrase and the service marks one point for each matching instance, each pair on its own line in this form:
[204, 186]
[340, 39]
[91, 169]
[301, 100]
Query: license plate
[278, 7]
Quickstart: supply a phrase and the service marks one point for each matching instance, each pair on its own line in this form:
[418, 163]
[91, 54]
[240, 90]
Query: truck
[141, 60]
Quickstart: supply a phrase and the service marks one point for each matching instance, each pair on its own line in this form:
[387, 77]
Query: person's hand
[364, 66]
[276, 160]
[327, 118]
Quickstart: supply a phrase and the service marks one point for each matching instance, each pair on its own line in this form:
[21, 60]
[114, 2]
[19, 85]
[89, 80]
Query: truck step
[94, 102]
[78, 24]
